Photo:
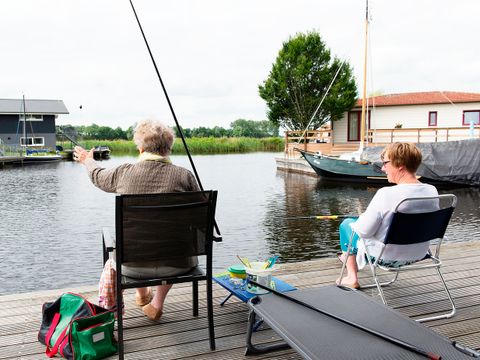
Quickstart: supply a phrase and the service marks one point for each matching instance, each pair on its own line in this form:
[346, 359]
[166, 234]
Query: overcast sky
[213, 54]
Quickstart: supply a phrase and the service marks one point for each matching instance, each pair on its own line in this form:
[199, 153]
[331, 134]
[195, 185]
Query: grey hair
[154, 137]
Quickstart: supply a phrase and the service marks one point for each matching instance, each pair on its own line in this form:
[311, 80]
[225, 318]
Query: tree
[300, 78]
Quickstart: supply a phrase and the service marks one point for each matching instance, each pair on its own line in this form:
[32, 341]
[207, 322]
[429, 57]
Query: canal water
[51, 217]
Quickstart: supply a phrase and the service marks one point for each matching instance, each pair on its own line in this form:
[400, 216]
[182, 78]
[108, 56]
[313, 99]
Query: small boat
[450, 163]
[37, 156]
[333, 168]
[101, 152]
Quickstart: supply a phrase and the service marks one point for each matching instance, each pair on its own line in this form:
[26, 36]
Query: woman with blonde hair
[400, 163]
[153, 173]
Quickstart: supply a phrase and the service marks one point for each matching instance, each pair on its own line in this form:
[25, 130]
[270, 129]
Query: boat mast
[364, 101]
[24, 149]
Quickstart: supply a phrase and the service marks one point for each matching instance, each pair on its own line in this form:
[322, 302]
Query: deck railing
[419, 135]
[322, 140]
[311, 140]
[9, 150]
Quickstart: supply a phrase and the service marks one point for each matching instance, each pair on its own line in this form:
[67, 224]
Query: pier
[181, 336]
[10, 160]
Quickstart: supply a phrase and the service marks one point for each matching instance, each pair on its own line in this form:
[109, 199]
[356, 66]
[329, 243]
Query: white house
[416, 117]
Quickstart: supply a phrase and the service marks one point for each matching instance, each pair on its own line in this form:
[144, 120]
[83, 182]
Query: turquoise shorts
[345, 235]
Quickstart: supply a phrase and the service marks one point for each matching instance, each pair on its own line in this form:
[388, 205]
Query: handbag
[77, 329]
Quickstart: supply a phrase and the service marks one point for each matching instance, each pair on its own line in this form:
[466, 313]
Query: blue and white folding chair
[407, 229]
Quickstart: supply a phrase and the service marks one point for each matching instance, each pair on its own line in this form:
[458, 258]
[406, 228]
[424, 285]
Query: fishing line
[170, 104]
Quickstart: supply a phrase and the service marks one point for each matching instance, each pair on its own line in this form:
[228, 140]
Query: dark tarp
[452, 161]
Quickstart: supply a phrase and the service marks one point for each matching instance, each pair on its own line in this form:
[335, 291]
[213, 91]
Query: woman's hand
[80, 154]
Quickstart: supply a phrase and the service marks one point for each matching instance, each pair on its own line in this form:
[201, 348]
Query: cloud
[213, 54]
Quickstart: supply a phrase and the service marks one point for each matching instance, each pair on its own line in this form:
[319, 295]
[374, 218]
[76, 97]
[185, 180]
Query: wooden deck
[180, 336]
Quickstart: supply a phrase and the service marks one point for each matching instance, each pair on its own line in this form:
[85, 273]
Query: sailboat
[349, 167]
[33, 154]
[438, 167]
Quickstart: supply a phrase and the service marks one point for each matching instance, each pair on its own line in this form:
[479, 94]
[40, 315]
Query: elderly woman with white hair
[153, 173]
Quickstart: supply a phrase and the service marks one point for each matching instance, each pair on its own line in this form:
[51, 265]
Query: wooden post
[286, 142]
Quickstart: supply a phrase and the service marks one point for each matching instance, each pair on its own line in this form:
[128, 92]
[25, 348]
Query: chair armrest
[108, 240]
[108, 244]
[217, 238]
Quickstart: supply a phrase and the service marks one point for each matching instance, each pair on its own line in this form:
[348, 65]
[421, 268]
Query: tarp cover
[452, 161]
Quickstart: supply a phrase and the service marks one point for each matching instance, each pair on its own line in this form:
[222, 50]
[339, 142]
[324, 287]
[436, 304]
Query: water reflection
[51, 217]
[304, 239]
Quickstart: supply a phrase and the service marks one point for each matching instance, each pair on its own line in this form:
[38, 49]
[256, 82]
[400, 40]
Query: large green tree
[299, 79]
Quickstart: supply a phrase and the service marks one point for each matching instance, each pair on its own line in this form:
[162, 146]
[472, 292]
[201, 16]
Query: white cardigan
[373, 224]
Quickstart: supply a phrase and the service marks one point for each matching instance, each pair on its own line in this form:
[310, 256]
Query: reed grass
[208, 145]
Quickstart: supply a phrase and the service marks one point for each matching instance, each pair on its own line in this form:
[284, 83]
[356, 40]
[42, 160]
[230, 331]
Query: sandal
[152, 313]
[144, 300]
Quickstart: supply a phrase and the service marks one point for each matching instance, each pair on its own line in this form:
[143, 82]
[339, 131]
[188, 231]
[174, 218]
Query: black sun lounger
[318, 336]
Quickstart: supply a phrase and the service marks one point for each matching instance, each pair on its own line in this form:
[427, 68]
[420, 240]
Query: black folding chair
[168, 226]
[409, 228]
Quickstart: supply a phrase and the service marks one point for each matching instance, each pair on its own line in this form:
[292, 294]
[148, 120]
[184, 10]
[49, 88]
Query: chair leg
[447, 315]
[211, 328]
[195, 297]
[386, 283]
[120, 324]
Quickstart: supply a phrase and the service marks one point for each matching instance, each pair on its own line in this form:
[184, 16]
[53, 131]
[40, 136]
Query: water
[51, 217]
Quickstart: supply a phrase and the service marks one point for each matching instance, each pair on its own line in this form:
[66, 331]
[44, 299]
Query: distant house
[421, 116]
[39, 128]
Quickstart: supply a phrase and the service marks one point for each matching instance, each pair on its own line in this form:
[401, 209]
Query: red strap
[53, 351]
[52, 328]
[63, 344]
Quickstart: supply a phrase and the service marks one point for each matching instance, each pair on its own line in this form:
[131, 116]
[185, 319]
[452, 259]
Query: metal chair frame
[195, 275]
[393, 236]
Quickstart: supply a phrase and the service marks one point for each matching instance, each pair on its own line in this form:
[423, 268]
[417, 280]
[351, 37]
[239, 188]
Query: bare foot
[346, 281]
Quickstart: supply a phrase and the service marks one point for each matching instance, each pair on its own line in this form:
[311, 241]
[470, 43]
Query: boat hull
[344, 170]
[339, 170]
[41, 159]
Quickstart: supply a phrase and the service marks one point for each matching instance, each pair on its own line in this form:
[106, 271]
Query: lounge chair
[315, 335]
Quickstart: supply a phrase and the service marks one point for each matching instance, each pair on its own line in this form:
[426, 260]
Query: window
[432, 118]
[354, 125]
[31, 117]
[471, 116]
[33, 141]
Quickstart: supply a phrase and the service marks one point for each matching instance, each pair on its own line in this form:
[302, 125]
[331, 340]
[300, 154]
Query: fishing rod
[170, 105]
[322, 217]
[391, 339]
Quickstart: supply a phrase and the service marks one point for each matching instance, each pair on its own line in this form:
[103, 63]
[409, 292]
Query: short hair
[154, 137]
[403, 154]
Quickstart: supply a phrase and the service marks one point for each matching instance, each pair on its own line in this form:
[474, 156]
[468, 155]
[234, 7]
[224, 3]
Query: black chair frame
[195, 275]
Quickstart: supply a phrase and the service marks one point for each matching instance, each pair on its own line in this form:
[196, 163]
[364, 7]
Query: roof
[422, 98]
[32, 106]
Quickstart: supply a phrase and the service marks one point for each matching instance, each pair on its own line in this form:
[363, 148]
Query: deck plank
[181, 336]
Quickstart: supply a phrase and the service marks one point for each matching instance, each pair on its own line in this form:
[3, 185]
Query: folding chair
[153, 227]
[408, 228]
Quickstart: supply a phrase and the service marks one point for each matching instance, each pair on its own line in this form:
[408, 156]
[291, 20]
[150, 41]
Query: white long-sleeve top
[372, 225]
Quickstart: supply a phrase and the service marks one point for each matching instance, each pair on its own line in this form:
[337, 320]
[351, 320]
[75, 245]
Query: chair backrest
[165, 226]
[413, 228]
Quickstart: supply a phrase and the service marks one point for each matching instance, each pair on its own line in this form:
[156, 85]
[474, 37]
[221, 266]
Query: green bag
[77, 329]
[92, 338]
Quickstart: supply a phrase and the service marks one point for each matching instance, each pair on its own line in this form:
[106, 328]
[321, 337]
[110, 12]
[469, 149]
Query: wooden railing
[419, 135]
[312, 140]
[322, 140]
